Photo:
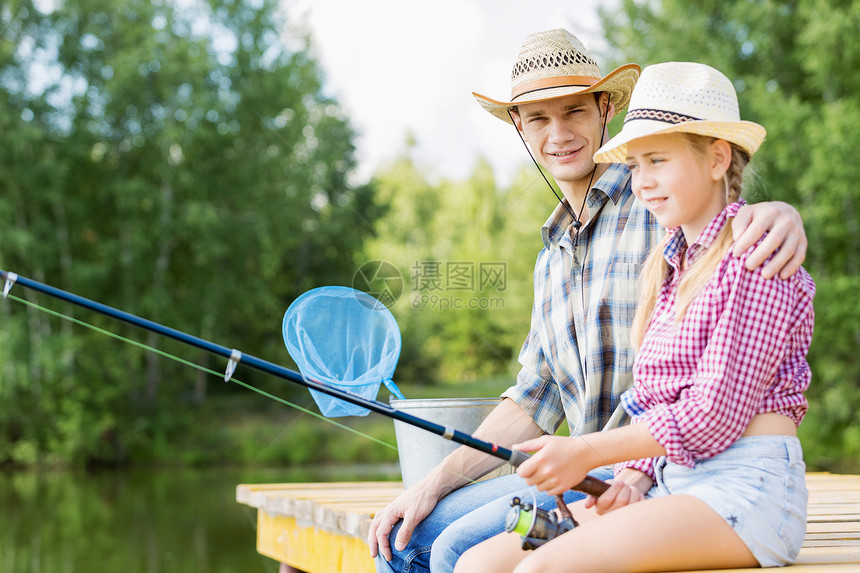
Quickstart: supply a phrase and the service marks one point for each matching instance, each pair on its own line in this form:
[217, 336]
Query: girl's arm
[559, 463]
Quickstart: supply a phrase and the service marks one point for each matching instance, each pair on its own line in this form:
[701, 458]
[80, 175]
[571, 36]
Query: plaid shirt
[577, 359]
[739, 351]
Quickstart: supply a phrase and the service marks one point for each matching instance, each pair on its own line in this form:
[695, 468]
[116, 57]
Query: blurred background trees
[179, 161]
[175, 160]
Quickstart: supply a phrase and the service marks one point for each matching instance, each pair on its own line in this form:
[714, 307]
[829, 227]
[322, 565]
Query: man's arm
[507, 424]
[785, 237]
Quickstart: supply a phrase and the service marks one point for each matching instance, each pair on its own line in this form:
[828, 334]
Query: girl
[710, 474]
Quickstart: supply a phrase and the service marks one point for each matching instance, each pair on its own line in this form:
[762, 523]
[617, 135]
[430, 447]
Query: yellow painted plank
[309, 548]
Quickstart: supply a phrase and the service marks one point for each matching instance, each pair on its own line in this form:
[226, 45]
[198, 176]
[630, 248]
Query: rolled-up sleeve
[535, 391]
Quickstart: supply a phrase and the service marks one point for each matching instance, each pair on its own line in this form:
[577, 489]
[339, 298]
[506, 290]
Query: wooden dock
[321, 527]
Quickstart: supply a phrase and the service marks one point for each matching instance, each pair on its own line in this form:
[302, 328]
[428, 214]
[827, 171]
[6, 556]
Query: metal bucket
[419, 450]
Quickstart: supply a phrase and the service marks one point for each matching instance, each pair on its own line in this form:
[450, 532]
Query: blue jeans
[463, 519]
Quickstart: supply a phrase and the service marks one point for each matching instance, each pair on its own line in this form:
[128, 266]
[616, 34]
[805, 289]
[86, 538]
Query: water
[179, 520]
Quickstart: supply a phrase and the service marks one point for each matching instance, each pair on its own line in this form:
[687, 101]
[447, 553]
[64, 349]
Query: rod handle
[518, 457]
[590, 485]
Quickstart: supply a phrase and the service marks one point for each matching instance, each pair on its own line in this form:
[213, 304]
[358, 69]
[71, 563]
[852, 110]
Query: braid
[735, 174]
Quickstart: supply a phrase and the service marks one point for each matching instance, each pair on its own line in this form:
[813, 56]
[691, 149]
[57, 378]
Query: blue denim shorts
[758, 485]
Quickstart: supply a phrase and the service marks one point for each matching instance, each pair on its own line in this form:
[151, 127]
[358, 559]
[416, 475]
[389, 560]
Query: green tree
[792, 63]
[466, 250]
[175, 160]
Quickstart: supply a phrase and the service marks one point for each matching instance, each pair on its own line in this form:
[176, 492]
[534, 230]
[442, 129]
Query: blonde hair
[656, 269]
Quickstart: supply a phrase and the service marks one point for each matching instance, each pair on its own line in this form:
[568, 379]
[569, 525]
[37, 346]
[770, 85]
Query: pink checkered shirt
[740, 351]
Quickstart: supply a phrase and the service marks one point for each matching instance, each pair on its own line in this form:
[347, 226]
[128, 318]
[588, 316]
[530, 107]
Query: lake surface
[164, 521]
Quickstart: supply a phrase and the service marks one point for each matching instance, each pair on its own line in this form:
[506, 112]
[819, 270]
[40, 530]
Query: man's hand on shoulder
[786, 239]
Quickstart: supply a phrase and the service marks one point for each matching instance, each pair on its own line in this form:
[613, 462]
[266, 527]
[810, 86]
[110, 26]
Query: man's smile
[562, 154]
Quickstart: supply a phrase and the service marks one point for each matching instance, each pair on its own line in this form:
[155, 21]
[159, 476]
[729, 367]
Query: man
[576, 360]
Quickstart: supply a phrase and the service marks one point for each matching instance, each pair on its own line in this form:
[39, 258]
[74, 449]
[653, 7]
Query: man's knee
[414, 558]
[471, 529]
[442, 556]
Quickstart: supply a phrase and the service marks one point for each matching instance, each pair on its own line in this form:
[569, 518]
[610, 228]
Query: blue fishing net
[347, 339]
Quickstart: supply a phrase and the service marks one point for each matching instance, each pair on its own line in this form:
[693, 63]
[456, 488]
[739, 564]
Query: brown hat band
[659, 115]
[556, 82]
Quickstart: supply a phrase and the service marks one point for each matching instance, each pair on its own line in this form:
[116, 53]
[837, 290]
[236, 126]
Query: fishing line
[212, 372]
[201, 368]
[577, 224]
[514, 457]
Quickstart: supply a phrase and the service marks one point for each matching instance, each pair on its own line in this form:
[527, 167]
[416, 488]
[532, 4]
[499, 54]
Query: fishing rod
[589, 485]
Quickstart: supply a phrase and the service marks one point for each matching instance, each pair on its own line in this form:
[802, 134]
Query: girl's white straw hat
[682, 97]
[554, 64]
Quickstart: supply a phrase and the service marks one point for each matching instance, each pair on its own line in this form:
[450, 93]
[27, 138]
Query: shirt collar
[675, 245]
[611, 186]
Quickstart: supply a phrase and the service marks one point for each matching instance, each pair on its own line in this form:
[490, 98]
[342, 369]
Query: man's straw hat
[554, 64]
[682, 97]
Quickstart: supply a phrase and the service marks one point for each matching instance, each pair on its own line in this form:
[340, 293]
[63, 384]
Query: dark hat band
[658, 115]
[554, 82]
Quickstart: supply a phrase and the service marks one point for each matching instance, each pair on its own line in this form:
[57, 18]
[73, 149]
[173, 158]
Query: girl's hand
[618, 495]
[557, 464]
[630, 486]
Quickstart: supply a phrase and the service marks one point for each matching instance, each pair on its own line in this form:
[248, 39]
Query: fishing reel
[536, 526]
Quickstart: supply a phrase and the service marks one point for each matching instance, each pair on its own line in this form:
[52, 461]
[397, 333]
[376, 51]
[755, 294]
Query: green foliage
[792, 63]
[175, 160]
[179, 161]
[460, 327]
